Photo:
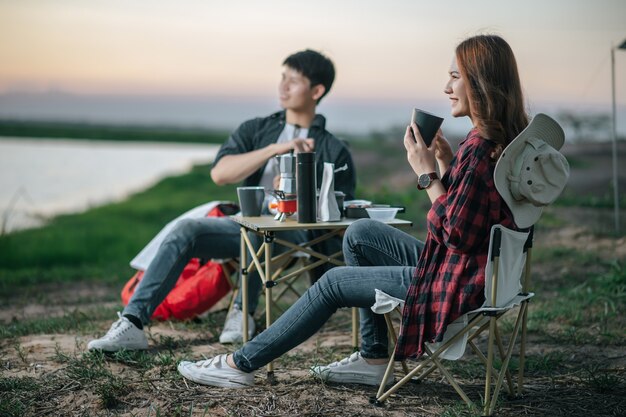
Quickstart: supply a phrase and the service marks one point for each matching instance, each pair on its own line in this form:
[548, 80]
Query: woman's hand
[443, 152]
[420, 157]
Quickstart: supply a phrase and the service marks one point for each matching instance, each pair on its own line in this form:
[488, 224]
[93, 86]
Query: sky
[384, 51]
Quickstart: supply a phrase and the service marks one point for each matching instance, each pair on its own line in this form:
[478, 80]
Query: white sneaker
[122, 335]
[215, 372]
[352, 370]
[233, 327]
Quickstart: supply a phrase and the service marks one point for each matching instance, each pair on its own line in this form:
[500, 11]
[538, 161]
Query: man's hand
[232, 169]
[296, 145]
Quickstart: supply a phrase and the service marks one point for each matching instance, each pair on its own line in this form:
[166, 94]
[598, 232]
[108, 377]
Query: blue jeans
[382, 257]
[206, 238]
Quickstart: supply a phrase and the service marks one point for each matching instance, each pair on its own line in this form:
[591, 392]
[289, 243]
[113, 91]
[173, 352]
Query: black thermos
[306, 187]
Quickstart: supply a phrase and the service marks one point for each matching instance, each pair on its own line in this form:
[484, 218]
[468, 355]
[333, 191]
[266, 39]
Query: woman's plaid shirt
[450, 276]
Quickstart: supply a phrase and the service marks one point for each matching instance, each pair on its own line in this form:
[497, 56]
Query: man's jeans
[383, 258]
[207, 238]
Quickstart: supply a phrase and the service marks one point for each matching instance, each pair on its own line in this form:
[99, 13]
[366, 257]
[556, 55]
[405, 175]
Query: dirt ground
[69, 382]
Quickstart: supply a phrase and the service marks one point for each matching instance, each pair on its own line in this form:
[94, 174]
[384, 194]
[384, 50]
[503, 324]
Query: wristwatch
[424, 180]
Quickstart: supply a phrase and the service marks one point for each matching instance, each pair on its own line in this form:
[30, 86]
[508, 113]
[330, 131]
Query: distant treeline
[70, 130]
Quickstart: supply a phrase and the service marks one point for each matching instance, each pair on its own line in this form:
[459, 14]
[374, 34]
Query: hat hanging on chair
[531, 172]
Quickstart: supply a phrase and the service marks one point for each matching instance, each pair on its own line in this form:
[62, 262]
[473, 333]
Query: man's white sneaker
[215, 372]
[233, 327]
[122, 335]
[352, 370]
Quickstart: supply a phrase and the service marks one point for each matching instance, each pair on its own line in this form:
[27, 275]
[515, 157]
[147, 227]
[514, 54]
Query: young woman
[441, 278]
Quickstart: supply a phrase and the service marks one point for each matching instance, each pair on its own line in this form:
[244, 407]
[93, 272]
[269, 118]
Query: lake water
[41, 178]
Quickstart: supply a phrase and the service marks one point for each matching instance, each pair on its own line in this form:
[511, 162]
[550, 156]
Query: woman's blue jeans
[380, 257]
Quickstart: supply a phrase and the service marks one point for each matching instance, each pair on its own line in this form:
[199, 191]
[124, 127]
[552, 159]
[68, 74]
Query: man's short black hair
[315, 66]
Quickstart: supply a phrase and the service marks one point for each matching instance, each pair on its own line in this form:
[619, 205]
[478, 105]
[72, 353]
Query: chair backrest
[507, 253]
[509, 248]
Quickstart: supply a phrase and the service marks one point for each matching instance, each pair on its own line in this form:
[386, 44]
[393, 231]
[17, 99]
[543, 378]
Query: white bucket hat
[531, 173]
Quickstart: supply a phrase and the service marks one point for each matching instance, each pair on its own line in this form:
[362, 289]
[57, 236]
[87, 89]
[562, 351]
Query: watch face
[423, 180]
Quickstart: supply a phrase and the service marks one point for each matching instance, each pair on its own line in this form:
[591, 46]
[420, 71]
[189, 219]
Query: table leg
[243, 262]
[268, 292]
[355, 329]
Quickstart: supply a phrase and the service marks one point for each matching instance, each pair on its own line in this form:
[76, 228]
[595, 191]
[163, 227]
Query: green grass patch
[471, 367]
[577, 163]
[98, 244]
[548, 254]
[15, 384]
[550, 220]
[72, 322]
[589, 312]
[460, 409]
[571, 199]
[91, 369]
[603, 380]
[12, 403]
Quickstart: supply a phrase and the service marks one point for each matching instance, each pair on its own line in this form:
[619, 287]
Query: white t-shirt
[271, 169]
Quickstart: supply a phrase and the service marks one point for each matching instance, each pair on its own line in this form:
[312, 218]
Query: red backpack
[198, 288]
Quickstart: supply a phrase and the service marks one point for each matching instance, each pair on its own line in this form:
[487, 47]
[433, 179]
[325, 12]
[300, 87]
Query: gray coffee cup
[427, 123]
[251, 200]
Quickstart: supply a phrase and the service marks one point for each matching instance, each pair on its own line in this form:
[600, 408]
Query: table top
[268, 224]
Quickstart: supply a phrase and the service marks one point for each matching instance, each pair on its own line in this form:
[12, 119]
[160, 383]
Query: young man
[247, 156]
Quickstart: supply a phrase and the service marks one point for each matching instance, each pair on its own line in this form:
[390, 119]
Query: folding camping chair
[507, 279]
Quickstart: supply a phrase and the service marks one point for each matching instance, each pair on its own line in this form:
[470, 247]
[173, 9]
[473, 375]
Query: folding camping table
[267, 227]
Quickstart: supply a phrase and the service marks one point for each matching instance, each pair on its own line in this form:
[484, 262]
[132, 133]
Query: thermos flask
[306, 187]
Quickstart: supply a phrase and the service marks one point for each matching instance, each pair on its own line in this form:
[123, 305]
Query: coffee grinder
[286, 195]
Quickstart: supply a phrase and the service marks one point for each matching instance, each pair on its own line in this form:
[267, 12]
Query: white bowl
[382, 213]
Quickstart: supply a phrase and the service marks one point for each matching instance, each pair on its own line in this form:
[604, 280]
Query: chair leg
[481, 356]
[382, 397]
[355, 329]
[388, 371]
[450, 378]
[492, 331]
[507, 359]
[522, 354]
[394, 338]
[408, 377]
[243, 274]
[509, 378]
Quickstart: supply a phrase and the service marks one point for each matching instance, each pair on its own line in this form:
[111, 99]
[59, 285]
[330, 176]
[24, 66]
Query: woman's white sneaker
[215, 372]
[352, 370]
[122, 335]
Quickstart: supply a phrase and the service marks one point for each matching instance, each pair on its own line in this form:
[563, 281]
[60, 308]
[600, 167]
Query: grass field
[59, 287]
[65, 130]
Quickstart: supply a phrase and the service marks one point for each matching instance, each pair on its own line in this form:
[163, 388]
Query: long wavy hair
[496, 101]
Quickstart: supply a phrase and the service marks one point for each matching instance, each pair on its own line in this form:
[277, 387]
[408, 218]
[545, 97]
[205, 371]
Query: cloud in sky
[382, 49]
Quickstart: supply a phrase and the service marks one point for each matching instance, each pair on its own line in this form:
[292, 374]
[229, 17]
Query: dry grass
[47, 373]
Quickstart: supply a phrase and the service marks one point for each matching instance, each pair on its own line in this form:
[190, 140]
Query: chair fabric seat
[386, 303]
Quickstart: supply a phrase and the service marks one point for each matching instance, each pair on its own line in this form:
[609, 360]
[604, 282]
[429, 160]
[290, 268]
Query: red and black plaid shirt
[450, 276]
